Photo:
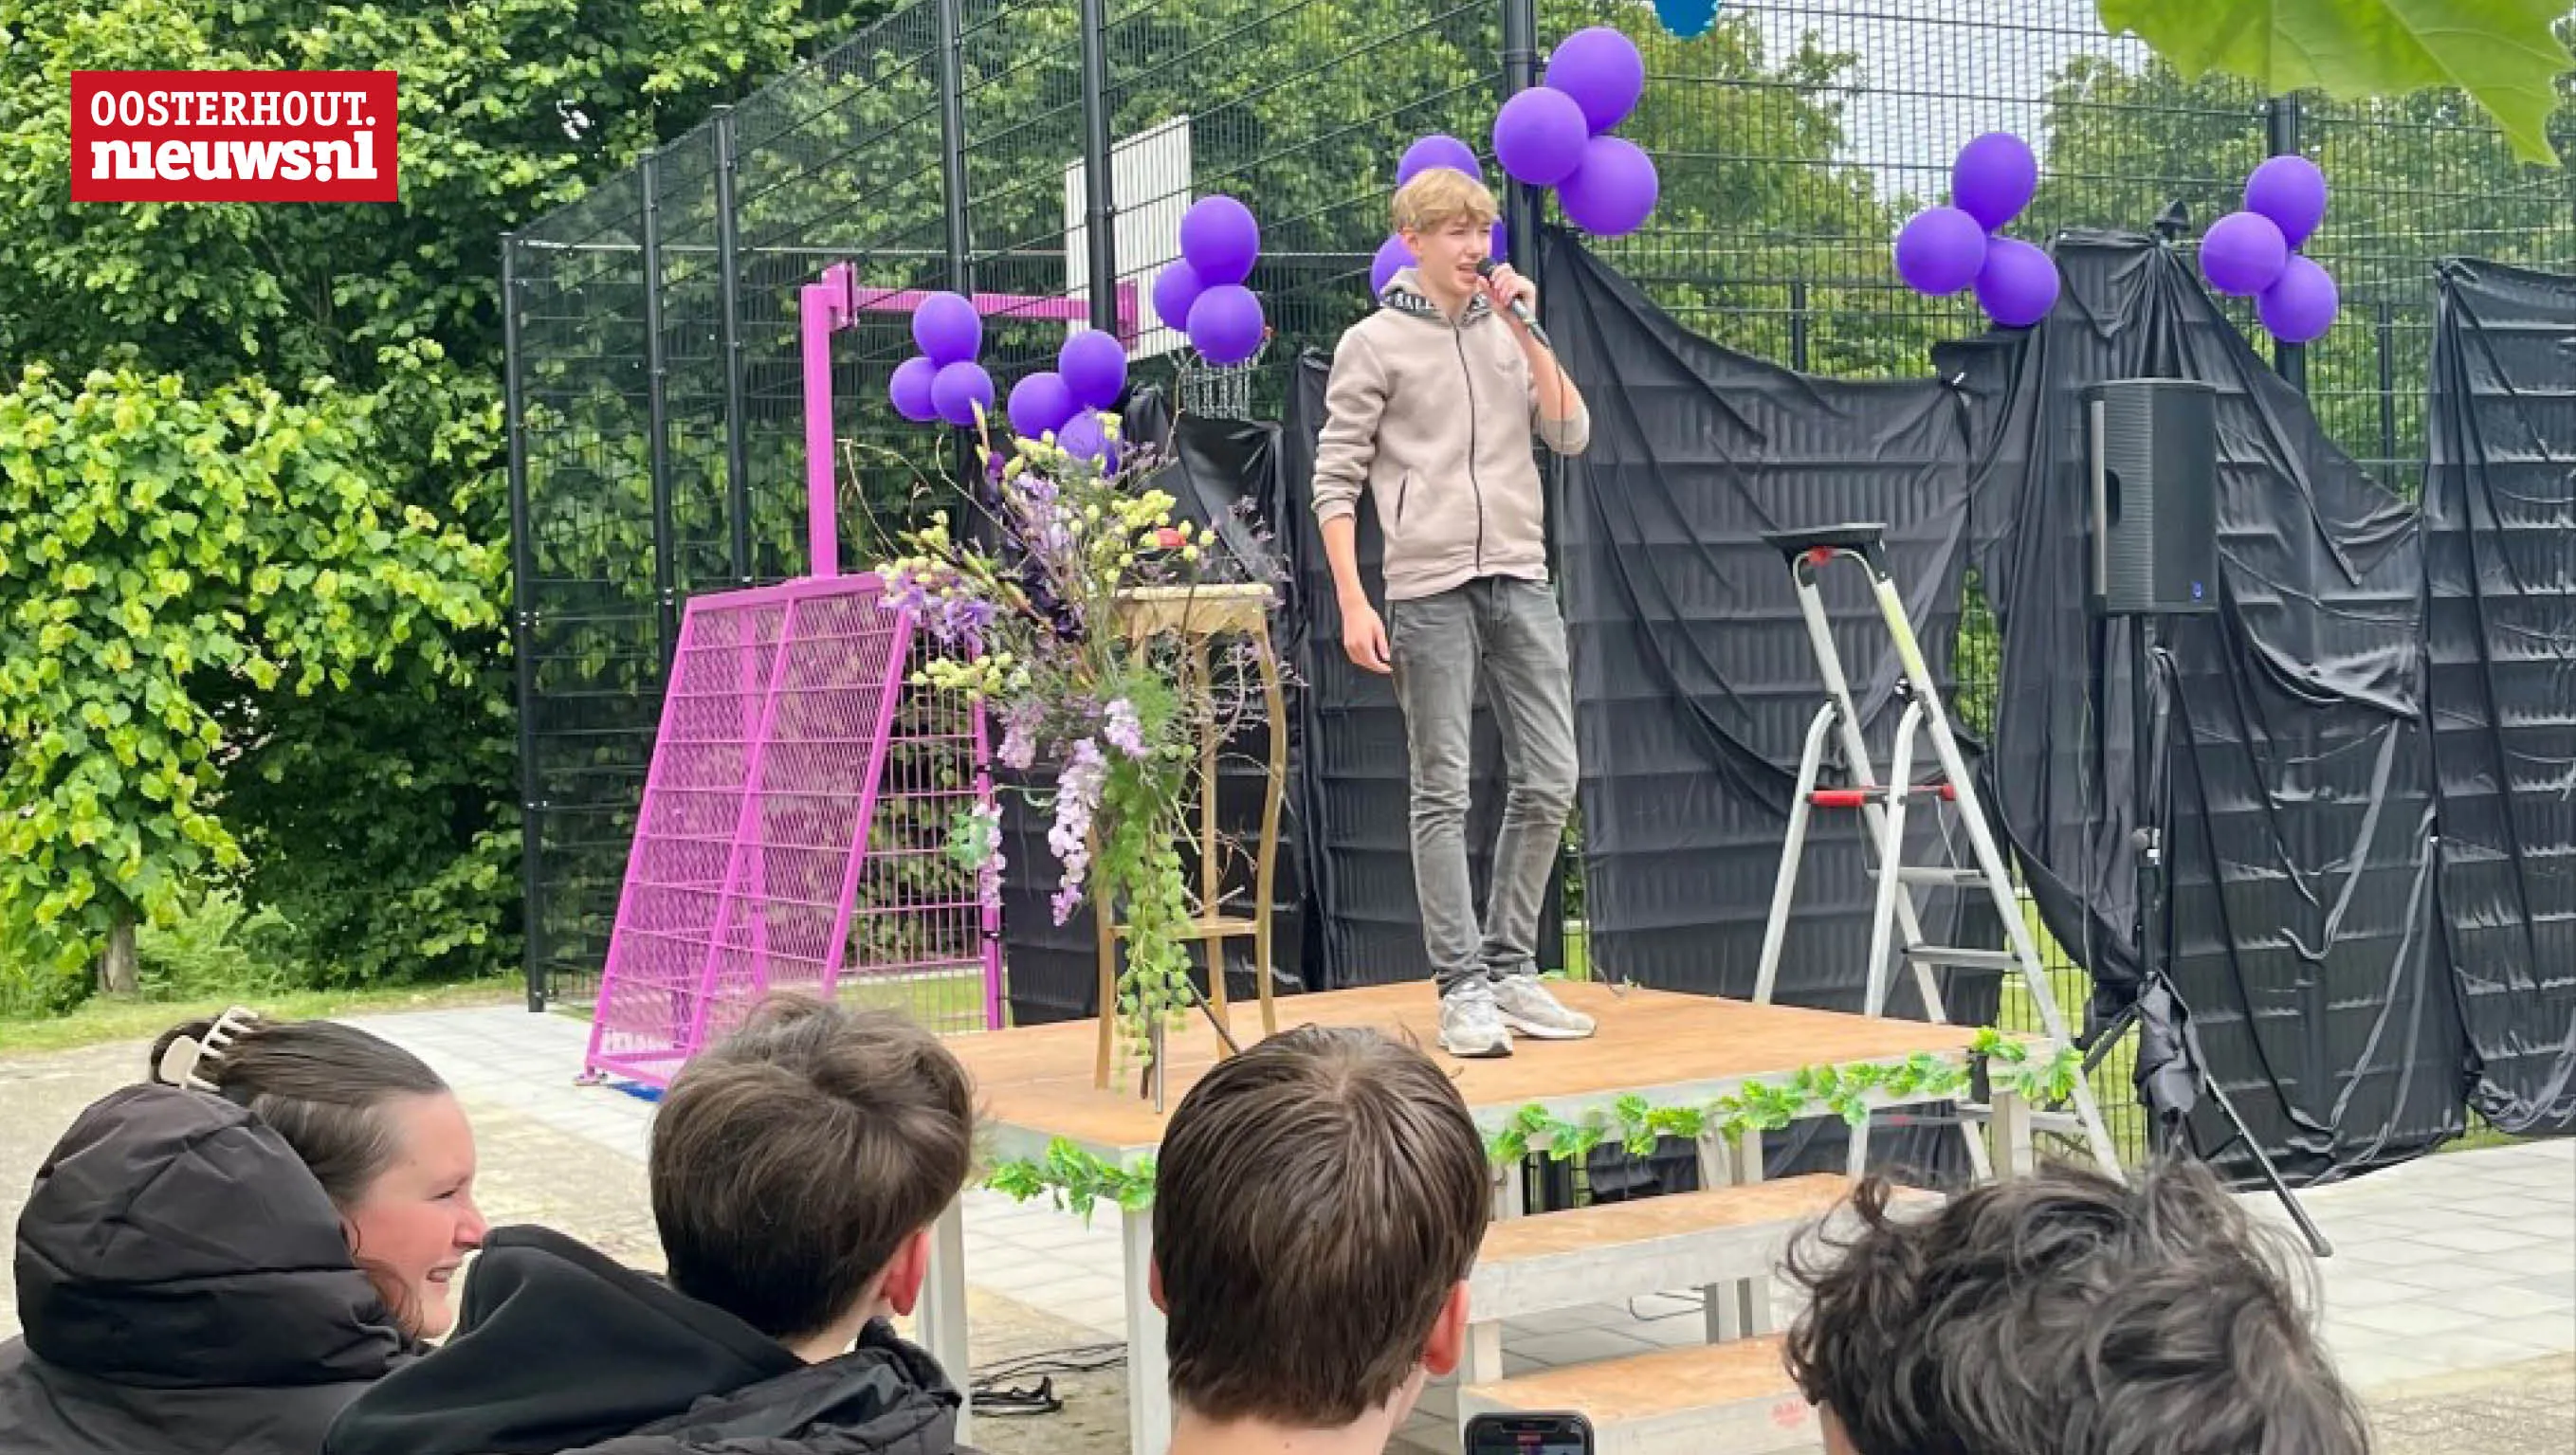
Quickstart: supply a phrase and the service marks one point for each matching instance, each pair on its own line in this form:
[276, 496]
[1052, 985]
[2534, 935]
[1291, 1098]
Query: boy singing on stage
[1431, 406]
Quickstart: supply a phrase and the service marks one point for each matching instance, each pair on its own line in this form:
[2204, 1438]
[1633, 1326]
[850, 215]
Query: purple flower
[1077, 794]
[988, 873]
[1019, 735]
[1123, 730]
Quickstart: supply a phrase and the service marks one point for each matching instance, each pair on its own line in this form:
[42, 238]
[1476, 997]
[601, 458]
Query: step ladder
[1883, 806]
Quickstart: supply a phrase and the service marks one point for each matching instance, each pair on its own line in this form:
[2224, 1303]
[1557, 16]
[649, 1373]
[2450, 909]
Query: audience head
[797, 1166]
[2065, 1314]
[1318, 1202]
[379, 1130]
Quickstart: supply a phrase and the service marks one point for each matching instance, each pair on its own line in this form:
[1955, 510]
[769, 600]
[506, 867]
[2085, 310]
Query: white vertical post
[943, 1307]
[1149, 1370]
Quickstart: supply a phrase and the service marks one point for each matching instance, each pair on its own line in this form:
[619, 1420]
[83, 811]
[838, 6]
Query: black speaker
[2151, 448]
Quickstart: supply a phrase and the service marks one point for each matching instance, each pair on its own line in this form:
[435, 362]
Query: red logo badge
[233, 136]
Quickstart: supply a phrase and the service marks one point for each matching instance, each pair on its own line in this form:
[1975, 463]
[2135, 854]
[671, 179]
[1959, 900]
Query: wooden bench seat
[1618, 1250]
[1717, 1399]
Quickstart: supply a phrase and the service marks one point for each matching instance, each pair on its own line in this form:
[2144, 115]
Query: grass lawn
[99, 1019]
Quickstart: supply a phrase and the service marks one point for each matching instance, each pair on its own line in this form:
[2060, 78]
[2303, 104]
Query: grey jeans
[1506, 633]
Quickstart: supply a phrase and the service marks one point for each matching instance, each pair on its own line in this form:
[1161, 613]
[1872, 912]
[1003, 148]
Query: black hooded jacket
[185, 1287]
[559, 1349]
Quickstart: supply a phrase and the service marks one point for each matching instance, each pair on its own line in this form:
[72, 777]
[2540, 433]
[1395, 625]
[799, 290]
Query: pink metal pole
[822, 531]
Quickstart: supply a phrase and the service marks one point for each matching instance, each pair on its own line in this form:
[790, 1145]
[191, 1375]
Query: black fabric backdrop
[2500, 611]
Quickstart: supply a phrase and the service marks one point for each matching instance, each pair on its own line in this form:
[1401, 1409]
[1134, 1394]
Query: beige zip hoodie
[1434, 420]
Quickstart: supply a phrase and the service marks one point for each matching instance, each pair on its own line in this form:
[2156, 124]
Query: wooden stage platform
[1034, 1085]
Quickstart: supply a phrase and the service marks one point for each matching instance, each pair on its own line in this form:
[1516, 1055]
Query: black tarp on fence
[2299, 789]
[2500, 614]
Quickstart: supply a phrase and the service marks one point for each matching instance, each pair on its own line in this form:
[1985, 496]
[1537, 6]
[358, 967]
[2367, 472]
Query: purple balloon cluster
[1435, 150]
[2255, 253]
[1941, 250]
[943, 381]
[1066, 401]
[1203, 291]
[1557, 134]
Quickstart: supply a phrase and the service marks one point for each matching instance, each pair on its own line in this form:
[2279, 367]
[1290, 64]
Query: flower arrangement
[1025, 599]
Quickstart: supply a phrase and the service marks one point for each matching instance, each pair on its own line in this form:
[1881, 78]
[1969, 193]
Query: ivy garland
[1078, 1181]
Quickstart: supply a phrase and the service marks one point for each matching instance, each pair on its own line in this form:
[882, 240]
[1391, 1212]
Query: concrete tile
[2364, 1290]
[2547, 1333]
[2473, 1238]
[1681, 1333]
[1580, 1346]
[2478, 1351]
[2378, 1369]
[2415, 1318]
[2503, 1301]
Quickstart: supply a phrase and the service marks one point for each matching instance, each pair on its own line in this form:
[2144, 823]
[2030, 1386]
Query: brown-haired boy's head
[798, 1164]
[1317, 1206]
[2065, 1314]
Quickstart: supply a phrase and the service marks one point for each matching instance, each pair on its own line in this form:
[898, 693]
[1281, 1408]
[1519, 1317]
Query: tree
[2502, 54]
[155, 545]
[2413, 180]
[379, 815]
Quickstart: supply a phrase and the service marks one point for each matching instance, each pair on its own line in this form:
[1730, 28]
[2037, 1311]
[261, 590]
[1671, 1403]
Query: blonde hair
[1438, 196]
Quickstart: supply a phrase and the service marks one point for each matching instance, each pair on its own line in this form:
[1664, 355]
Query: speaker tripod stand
[2152, 928]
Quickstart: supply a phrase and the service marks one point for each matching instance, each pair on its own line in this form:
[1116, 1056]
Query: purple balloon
[2018, 284]
[1040, 403]
[910, 389]
[1226, 324]
[960, 390]
[1094, 367]
[1993, 178]
[2243, 253]
[1613, 192]
[947, 329]
[2291, 192]
[1438, 150]
[1499, 246]
[1392, 255]
[1539, 136]
[1220, 240]
[1175, 289]
[1086, 438]
[1940, 250]
[2300, 306]
[1601, 70]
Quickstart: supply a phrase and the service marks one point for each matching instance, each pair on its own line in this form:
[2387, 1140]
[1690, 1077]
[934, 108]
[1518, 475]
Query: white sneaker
[1525, 1006]
[1470, 1023]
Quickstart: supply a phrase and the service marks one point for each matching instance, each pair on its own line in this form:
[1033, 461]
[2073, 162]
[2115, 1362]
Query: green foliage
[160, 549]
[1076, 1179]
[221, 948]
[376, 813]
[2500, 52]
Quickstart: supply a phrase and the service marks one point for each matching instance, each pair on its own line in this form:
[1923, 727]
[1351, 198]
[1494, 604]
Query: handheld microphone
[1520, 308]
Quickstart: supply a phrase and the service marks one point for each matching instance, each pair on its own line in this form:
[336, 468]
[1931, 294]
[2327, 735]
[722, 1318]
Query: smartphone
[1529, 1434]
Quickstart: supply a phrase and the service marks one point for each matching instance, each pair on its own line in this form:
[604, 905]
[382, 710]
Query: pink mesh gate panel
[749, 847]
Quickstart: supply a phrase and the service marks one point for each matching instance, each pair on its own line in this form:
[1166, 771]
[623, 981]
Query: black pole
[952, 173]
[1100, 198]
[657, 419]
[523, 632]
[1520, 72]
[952, 142]
[1798, 324]
[729, 285]
[2281, 125]
[2387, 382]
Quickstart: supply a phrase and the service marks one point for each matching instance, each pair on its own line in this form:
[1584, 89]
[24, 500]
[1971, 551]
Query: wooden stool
[1199, 615]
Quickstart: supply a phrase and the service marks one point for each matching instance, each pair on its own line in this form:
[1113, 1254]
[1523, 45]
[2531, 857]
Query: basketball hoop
[1217, 391]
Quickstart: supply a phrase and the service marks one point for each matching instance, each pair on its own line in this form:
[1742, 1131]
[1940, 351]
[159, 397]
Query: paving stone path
[2451, 1301]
